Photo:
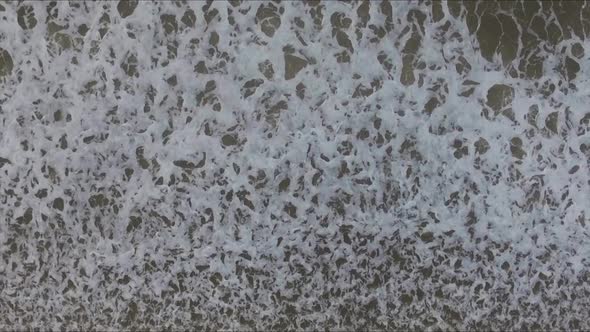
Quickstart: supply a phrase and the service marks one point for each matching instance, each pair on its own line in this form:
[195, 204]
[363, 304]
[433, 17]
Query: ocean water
[294, 165]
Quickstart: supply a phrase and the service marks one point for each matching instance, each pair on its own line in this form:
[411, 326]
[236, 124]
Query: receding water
[294, 165]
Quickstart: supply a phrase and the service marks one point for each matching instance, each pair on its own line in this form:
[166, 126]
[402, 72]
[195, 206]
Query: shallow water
[294, 165]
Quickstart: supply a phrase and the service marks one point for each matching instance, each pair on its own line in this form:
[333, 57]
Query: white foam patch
[154, 174]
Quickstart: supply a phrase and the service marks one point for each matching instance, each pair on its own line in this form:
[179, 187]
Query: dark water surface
[294, 165]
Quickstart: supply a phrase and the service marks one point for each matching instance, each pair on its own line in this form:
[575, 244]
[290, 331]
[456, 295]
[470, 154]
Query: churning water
[297, 165]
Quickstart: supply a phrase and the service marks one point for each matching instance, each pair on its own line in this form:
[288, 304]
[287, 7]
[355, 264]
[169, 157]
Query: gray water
[294, 165]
